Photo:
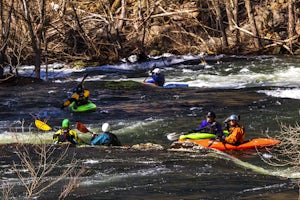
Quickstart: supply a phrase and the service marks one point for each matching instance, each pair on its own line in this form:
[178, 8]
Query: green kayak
[198, 136]
[89, 107]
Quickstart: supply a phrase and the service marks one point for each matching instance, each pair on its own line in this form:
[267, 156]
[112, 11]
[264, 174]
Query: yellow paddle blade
[42, 125]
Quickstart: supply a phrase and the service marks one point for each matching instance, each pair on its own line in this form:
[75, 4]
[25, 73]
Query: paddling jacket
[157, 79]
[107, 139]
[65, 135]
[208, 127]
[236, 135]
[79, 98]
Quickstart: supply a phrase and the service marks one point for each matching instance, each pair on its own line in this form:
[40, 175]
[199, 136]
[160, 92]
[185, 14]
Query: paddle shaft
[85, 76]
[176, 136]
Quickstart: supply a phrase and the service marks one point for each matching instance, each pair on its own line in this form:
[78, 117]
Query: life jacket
[65, 135]
[107, 139]
[236, 135]
[159, 79]
[82, 97]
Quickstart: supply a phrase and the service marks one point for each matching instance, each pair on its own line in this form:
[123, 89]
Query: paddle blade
[42, 125]
[173, 136]
[82, 128]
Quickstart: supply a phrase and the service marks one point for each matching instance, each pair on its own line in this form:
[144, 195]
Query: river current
[263, 90]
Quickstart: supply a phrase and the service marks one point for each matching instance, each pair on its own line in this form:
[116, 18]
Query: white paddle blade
[173, 136]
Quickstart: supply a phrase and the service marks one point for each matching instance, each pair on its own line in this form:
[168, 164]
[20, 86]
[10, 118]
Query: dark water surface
[145, 114]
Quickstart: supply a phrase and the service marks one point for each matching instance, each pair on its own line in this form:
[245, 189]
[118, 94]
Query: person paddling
[65, 134]
[106, 138]
[210, 125]
[236, 131]
[157, 77]
[80, 96]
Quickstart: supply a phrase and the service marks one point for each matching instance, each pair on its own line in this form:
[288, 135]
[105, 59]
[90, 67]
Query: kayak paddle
[82, 128]
[42, 125]
[86, 75]
[174, 136]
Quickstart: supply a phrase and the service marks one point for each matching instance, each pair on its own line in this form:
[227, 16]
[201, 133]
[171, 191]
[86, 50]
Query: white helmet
[156, 71]
[105, 127]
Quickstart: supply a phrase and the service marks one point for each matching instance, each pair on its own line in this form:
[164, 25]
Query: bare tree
[287, 153]
[256, 38]
[37, 163]
[5, 20]
[231, 11]
[291, 21]
[36, 29]
[220, 23]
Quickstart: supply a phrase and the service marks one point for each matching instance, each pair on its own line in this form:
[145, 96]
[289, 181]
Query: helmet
[105, 127]
[233, 118]
[211, 114]
[65, 123]
[156, 71]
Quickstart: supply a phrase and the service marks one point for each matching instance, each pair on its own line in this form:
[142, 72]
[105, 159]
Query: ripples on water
[264, 90]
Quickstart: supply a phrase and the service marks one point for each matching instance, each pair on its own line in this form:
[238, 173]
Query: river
[263, 90]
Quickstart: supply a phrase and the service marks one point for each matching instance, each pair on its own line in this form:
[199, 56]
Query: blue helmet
[234, 118]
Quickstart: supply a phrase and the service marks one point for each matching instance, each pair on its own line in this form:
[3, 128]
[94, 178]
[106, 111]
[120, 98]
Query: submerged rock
[148, 146]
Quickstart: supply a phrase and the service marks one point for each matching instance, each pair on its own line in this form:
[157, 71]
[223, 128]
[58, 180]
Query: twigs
[36, 177]
[287, 153]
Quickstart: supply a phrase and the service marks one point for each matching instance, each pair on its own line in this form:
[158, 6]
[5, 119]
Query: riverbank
[97, 33]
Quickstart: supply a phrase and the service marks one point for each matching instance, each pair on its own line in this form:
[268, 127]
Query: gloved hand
[149, 73]
[221, 138]
[226, 125]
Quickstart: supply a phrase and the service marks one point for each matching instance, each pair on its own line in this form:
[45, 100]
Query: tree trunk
[36, 37]
[5, 32]
[291, 25]
[216, 4]
[253, 24]
[230, 17]
[235, 14]
[123, 15]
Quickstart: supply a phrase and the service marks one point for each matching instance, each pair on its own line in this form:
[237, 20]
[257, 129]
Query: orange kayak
[251, 144]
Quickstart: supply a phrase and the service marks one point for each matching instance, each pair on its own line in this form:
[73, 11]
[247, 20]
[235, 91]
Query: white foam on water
[293, 93]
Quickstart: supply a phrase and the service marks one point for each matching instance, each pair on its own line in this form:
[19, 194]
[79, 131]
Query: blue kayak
[89, 107]
[176, 85]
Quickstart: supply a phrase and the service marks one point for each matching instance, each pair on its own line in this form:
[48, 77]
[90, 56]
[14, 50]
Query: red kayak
[250, 144]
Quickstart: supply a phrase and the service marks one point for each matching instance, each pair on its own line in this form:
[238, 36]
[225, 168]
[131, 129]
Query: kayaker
[106, 138]
[65, 134]
[236, 134]
[157, 77]
[210, 125]
[80, 96]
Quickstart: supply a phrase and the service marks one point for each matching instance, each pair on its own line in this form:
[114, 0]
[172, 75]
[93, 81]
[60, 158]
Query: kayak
[89, 107]
[251, 144]
[176, 85]
[170, 85]
[199, 135]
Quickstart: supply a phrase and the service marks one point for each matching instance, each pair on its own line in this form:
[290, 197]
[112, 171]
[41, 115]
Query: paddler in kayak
[65, 134]
[210, 125]
[236, 131]
[106, 138]
[80, 96]
[157, 77]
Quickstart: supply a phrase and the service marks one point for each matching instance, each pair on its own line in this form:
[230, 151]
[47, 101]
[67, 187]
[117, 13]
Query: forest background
[104, 31]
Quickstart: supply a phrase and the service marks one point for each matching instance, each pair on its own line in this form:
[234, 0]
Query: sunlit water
[263, 90]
